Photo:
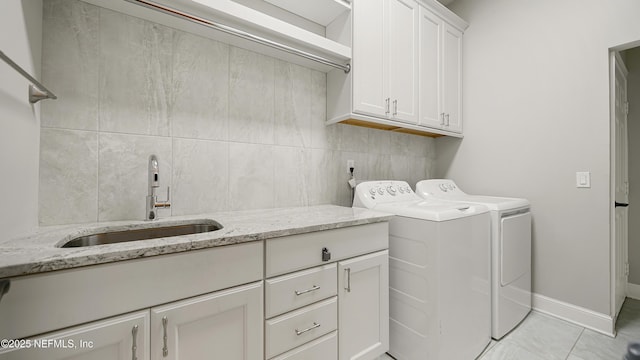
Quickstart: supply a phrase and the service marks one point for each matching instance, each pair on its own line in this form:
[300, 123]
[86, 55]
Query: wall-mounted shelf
[230, 14]
[322, 12]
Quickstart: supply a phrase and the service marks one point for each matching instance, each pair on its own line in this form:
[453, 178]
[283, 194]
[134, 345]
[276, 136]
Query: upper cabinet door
[431, 113]
[403, 59]
[452, 82]
[370, 61]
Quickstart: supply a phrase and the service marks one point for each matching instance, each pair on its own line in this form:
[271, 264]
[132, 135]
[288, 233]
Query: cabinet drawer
[324, 348]
[297, 252]
[293, 329]
[292, 291]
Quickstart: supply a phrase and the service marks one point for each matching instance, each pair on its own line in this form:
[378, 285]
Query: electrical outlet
[350, 164]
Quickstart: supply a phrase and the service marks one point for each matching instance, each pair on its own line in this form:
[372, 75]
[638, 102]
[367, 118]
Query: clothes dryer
[439, 291]
[510, 254]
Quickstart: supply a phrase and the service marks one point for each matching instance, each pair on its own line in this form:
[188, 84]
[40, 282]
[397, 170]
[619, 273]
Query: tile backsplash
[232, 129]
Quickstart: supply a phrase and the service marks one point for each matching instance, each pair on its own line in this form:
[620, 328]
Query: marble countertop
[39, 253]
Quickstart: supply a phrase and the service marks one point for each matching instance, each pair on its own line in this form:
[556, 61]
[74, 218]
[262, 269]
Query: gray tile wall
[232, 129]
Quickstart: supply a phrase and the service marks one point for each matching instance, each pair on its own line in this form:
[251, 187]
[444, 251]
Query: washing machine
[439, 290]
[510, 254]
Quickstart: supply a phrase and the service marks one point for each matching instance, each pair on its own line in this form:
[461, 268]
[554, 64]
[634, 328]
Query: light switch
[583, 179]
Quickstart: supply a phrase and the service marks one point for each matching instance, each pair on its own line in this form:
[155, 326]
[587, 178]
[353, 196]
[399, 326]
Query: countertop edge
[54, 259]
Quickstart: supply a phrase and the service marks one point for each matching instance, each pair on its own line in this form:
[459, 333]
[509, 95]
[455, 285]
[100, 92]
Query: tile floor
[543, 337]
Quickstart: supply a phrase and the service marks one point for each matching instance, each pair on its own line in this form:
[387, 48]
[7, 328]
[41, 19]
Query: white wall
[20, 39]
[633, 88]
[536, 110]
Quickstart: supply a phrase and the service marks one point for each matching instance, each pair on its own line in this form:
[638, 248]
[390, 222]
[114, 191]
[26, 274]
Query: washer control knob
[443, 187]
[380, 191]
[372, 191]
[401, 189]
[391, 190]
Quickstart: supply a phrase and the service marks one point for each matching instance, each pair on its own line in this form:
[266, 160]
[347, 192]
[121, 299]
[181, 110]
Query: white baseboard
[589, 319]
[633, 291]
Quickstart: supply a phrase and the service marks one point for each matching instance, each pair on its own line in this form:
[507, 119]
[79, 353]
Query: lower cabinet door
[363, 303]
[324, 348]
[123, 338]
[227, 324]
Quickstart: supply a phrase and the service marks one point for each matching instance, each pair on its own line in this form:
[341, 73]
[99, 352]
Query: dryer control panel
[439, 186]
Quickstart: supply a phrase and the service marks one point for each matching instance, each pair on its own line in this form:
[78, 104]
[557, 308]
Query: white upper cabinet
[370, 88]
[385, 59]
[406, 69]
[452, 78]
[403, 60]
[430, 74]
[440, 73]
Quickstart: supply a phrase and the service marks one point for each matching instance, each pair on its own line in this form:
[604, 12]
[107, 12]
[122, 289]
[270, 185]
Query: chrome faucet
[154, 182]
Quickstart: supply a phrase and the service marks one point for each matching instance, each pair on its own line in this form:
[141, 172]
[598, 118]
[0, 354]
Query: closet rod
[37, 91]
[242, 34]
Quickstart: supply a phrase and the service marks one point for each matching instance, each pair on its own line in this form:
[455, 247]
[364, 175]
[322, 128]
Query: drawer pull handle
[314, 326]
[314, 288]
[165, 349]
[134, 347]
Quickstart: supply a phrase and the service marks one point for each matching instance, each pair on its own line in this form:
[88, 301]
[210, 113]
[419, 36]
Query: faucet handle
[165, 203]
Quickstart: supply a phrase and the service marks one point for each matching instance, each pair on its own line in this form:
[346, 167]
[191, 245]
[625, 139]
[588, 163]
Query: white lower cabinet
[223, 325]
[326, 298]
[120, 338]
[363, 293]
[356, 269]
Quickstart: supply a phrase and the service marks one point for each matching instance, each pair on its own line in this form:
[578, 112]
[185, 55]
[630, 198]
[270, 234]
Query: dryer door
[515, 247]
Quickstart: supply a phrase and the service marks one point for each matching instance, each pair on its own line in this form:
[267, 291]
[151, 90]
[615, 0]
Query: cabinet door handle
[165, 349]
[442, 119]
[447, 119]
[347, 272]
[314, 326]
[314, 288]
[387, 104]
[4, 287]
[134, 347]
[395, 107]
